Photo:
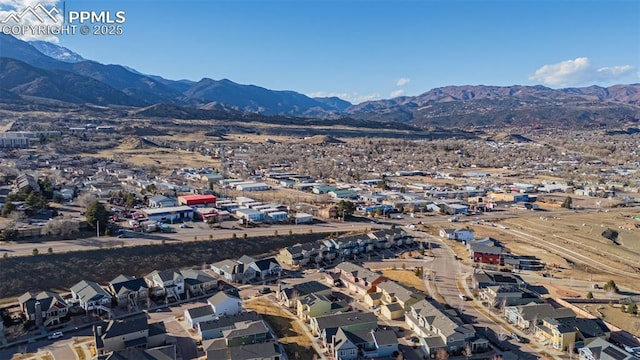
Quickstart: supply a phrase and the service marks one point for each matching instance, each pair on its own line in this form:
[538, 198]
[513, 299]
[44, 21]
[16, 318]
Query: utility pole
[97, 228]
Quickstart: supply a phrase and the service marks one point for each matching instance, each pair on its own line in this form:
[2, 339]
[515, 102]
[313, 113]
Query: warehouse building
[252, 187]
[250, 215]
[303, 218]
[197, 200]
[169, 214]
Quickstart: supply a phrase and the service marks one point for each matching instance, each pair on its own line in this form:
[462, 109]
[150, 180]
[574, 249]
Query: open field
[574, 242]
[157, 157]
[615, 316]
[290, 333]
[406, 278]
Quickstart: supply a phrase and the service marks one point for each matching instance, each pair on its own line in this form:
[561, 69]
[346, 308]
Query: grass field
[578, 232]
[406, 278]
[289, 331]
[615, 316]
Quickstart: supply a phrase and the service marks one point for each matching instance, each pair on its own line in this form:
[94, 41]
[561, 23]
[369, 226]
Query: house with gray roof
[363, 344]
[230, 270]
[288, 294]
[167, 283]
[167, 352]
[44, 308]
[214, 329]
[243, 333]
[127, 333]
[358, 279]
[327, 326]
[263, 351]
[224, 304]
[198, 282]
[129, 291]
[199, 314]
[530, 315]
[600, 349]
[441, 330]
[90, 296]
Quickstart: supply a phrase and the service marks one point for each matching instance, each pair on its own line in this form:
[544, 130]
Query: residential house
[482, 279]
[507, 295]
[159, 201]
[45, 308]
[198, 282]
[263, 269]
[363, 344]
[327, 326]
[243, 333]
[199, 314]
[396, 299]
[129, 291]
[303, 254]
[529, 315]
[393, 237]
[128, 333]
[289, 294]
[230, 270]
[457, 234]
[600, 349]
[167, 352]
[91, 296]
[167, 283]
[263, 351]
[213, 329]
[486, 254]
[225, 304]
[23, 181]
[440, 330]
[358, 279]
[564, 332]
[559, 334]
[314, 305]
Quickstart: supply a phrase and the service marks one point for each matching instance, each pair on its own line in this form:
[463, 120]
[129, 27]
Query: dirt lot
[289, 332]
[615, 316]
[406, 278]
[157, 157]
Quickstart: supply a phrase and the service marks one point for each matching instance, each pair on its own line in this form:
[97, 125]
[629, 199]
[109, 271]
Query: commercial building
[169, 214]
[197, 200]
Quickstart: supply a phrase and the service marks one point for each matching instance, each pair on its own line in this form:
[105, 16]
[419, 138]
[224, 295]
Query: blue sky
[373, 49]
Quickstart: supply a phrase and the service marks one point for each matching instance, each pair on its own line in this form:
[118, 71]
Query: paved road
[445, 272]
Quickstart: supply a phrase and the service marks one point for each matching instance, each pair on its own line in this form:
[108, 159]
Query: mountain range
[41, 71]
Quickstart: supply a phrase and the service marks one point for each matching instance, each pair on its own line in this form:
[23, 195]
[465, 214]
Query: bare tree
[61, 227]
[86, 199]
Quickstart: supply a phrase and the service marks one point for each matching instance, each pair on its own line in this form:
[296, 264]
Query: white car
[55, 335]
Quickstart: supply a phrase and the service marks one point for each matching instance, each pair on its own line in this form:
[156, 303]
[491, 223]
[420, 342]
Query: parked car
[55, 335]
[517, 338]
[463, 297]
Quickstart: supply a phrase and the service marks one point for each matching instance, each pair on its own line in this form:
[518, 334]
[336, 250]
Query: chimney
[38, 315]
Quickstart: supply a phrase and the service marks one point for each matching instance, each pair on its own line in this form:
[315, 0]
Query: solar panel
[614, 353]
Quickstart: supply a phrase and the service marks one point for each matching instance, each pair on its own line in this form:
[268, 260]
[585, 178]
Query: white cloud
[397, 93]
[578, 72]
[354, 97]
[402, 82]
[8, 7]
